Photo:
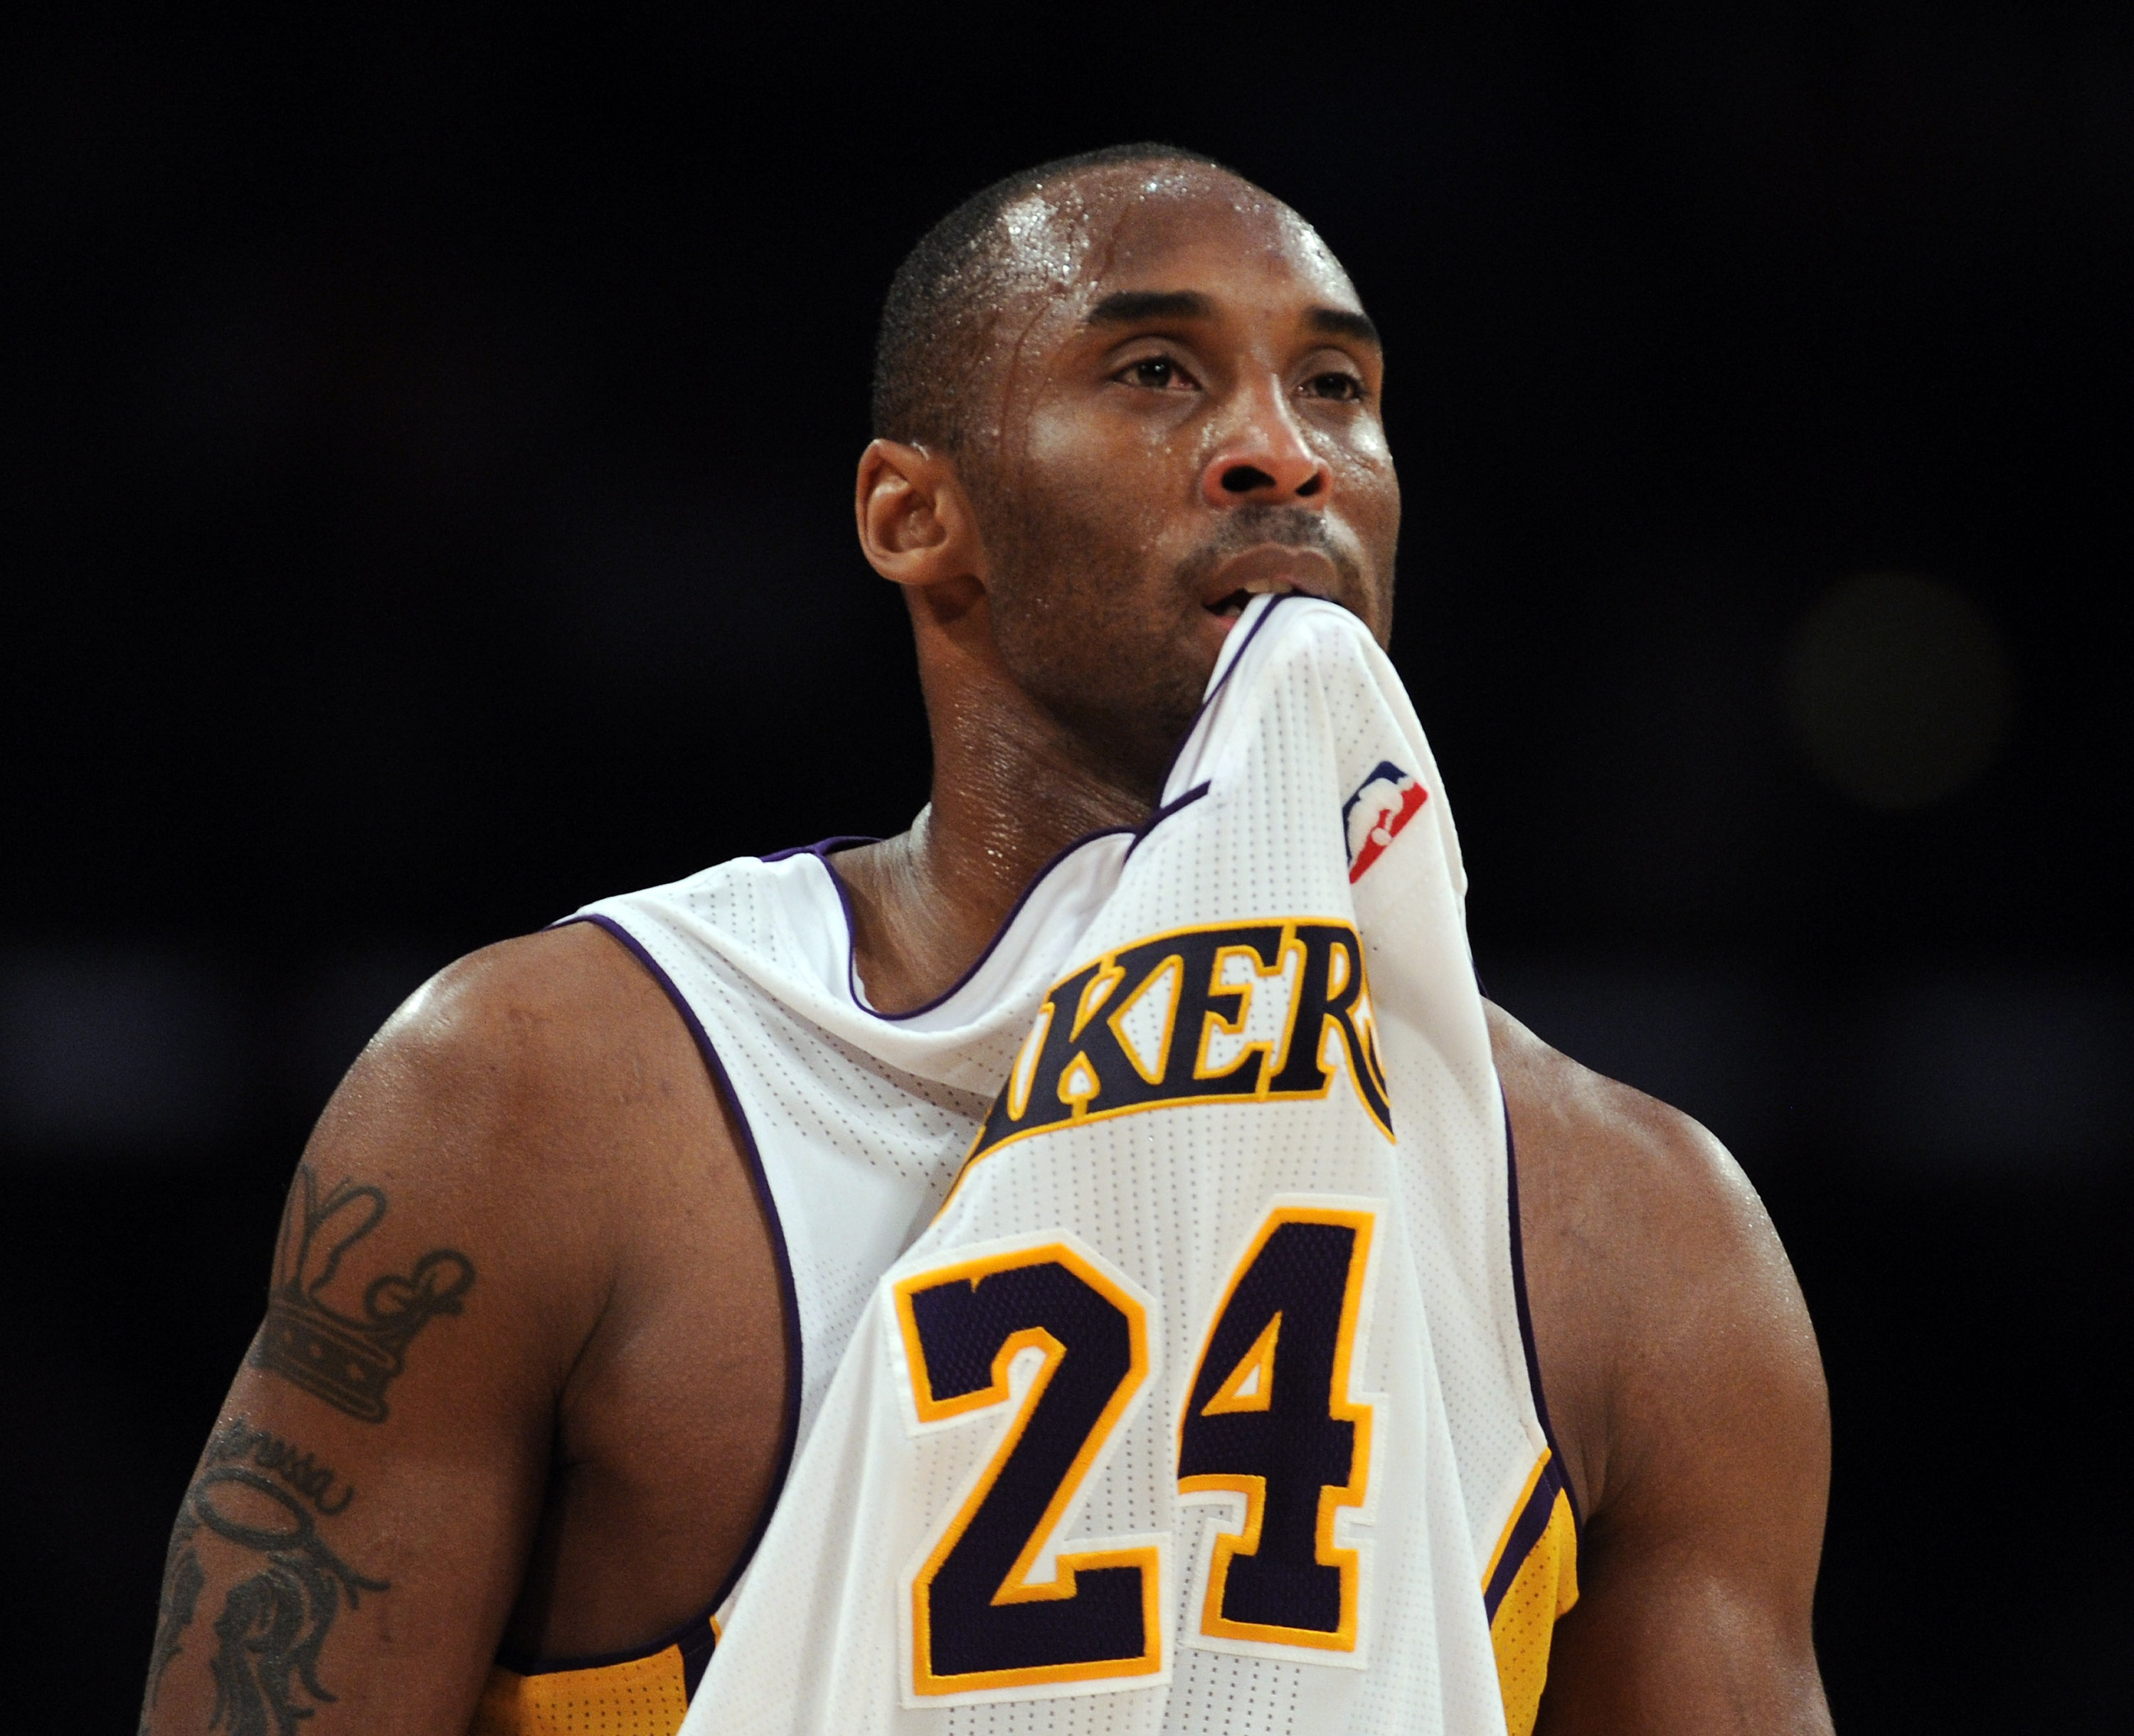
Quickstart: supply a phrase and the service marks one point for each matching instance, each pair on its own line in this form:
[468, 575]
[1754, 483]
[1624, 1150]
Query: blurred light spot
[341, 1009]
[1704, 1041]
[2009, 1074]
[1897, 689]
[122, 1053]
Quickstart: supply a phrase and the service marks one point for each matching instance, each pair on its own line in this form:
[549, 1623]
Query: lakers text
[1253, 1012]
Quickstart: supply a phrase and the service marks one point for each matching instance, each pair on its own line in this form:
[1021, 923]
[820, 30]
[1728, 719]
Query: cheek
[1367, 476]
[1058, 449]
[1117, 470]
[1367, 453]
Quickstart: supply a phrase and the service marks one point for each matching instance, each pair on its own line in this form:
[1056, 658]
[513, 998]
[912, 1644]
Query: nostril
[1242, 479]
[1311, 487]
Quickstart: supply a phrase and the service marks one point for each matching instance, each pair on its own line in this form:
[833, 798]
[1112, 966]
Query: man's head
[1113, 396]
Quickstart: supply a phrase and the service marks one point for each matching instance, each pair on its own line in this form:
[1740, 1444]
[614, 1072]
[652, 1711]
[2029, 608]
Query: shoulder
[1667, 1318]
[1606, 1161]
[521, 1014]
[538, 1099]
[533, 1042]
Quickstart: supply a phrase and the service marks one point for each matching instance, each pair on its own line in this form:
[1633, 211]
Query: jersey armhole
[694, 1641]
[1526, 1327]
[788, 1297]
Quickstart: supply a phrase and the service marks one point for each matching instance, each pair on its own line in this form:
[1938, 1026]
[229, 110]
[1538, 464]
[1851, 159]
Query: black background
[427, 482]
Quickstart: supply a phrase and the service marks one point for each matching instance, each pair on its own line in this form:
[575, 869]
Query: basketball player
[578, 1246]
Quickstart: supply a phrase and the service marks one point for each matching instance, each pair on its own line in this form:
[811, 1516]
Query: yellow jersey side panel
[645, 1696]
[1544, 1587]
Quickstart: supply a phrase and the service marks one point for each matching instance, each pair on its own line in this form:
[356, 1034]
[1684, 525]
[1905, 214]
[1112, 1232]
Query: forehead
[1167, 225]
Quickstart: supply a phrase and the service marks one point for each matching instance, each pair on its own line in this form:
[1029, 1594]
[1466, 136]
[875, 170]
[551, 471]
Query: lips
[1271, 567]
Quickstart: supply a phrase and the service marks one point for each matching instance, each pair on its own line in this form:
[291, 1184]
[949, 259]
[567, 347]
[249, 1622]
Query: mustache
[1249, 527]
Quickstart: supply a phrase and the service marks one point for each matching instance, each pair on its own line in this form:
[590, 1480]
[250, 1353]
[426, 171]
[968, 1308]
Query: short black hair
[935, 319]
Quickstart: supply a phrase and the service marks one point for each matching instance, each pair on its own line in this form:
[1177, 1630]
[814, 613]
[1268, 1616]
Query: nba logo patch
[1372, 817]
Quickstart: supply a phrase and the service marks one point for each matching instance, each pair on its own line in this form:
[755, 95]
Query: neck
[1012, 787]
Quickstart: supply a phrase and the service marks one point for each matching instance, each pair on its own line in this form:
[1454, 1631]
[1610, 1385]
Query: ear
[915, 524]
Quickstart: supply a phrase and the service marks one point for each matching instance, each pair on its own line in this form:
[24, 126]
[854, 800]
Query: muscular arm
[449, 1422]
[1687, 1396]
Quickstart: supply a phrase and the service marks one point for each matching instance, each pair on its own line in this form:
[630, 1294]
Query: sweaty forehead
[1164, 226]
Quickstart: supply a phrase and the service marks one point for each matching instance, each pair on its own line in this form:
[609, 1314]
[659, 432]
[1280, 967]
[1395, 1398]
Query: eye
[1156, 374]
[1340, 386]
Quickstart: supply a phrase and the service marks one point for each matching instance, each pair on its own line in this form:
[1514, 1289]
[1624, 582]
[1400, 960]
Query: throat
[1019, 774]
[928, 902]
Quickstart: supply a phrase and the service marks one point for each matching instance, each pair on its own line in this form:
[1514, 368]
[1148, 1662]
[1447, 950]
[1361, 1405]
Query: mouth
[1272, 569]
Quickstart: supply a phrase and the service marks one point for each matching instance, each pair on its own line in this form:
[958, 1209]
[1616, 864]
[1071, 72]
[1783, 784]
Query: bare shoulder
[1683, 1380]
[1595, 1149]
[1651, 1262]
[511, 1109]
[518, 1033]
[540, 1097]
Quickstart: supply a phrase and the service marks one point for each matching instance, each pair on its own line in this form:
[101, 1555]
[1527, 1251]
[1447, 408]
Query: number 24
[1268, 1416]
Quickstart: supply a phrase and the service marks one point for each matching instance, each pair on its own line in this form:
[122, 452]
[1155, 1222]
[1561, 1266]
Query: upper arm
[358, 1522]
[1687, 1389]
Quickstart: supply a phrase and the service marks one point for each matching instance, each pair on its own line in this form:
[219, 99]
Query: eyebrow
[1136, 307]
[1130, 307]
[1338, 322]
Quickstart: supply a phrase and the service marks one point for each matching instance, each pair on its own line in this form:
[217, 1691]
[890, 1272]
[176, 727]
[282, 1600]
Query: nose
[1266, 461]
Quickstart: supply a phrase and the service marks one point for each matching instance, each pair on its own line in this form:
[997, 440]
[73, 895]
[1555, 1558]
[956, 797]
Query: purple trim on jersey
[695, 1636]
[1229, 669]
[1527, 1331]
[821, 847]
[1000, 933]
[822, 851]
[692, 1635]
[697, 1650]
[1165, 812]
[1526, 1532]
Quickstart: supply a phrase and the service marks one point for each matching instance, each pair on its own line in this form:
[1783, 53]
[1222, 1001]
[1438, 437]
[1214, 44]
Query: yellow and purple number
[1270, 1417]
[980, 1617]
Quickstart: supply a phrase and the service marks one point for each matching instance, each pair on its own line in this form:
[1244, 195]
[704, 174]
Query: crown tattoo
[348, 1360]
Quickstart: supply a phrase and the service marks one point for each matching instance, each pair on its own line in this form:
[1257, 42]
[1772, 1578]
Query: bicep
[1668, 1638]
[317, 1560]
[1698, 1570]
[358, 1524]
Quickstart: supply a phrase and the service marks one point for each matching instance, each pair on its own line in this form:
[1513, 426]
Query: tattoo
[237, 1439]
[182, 1580]
[275, 1623]
[348, 1360]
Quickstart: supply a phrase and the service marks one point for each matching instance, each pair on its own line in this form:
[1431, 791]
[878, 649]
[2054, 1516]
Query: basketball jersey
[1158, 1358]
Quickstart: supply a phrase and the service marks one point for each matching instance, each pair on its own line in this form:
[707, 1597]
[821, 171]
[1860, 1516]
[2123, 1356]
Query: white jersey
[1159, 1362]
